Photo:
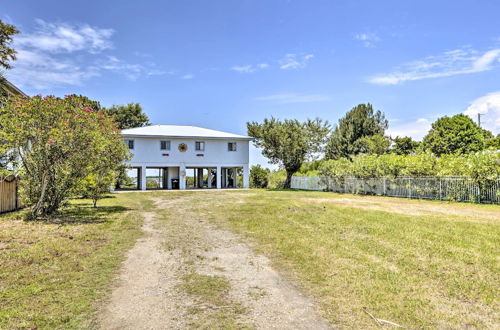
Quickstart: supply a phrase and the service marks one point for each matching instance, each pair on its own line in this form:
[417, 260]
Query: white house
[183, 157]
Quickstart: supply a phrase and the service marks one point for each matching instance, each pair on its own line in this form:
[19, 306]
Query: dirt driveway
[187, 273]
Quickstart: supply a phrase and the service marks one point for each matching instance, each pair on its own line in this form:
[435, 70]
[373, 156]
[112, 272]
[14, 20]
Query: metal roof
[10, 87]
[181, 132]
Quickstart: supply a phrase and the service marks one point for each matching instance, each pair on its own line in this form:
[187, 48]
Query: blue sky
[219, 64]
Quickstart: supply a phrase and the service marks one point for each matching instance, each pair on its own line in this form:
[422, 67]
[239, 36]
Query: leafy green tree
[454, 135]
[258, 176]
[493, 143]
[404, 145]
[128, 116]
[360, 122]
[60, 142]
[7, 53]
[290, 142]
[377, 144]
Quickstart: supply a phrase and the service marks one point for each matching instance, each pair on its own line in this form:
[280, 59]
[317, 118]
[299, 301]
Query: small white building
[183, 157]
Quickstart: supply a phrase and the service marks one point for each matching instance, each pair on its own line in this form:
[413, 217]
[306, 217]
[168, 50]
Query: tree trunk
[38, 206]
[288, 180]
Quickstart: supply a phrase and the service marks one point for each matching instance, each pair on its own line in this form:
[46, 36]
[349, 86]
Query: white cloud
[63, 37]
[294, 98]
[368, 39]
[450, 63]
[249, 68]
[292, 61]
[243, 68]
[416, 129]
[42, 71]
[58, 54]
[489, 107]
[187, 76]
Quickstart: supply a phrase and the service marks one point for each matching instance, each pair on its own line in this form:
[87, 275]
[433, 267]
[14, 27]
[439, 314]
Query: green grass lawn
[415, 263]
[423, 264]
[52, 275]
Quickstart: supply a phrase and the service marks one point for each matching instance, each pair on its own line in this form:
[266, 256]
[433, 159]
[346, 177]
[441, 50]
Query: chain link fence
[460, 189]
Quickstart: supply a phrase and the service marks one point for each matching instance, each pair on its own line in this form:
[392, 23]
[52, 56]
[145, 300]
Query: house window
[199, 146]
[130, 144]
[231, 146]
[164, 145]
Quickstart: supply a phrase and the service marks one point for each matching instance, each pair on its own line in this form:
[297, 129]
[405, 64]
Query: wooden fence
[461, 189]
[9, 199]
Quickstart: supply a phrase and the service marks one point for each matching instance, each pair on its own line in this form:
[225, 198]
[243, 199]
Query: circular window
[183, 147]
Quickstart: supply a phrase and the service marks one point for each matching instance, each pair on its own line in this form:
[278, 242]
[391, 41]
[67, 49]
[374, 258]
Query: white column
[246, 176]
[210, 177]
[182, 176]
[143, 177]
[218, 177]
[169, 178]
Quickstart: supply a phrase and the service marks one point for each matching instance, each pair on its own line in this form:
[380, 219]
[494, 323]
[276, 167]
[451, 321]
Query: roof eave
[247, 138]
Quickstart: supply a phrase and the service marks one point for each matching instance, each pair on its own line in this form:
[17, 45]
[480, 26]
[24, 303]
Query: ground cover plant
[53, 273]
[415, 263]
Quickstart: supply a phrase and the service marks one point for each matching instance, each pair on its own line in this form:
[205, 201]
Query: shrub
[258, 176]
[276, 179]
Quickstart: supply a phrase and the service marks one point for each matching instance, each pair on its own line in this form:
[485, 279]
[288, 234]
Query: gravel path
[150, 291]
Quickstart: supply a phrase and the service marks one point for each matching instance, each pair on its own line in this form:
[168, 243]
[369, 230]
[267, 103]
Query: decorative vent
[166, 155]
[199, 155]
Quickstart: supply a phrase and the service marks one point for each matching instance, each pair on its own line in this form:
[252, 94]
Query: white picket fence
[461, 189]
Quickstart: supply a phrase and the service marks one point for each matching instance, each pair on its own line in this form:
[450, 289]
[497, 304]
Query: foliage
[404, 145]
[258, 176]
[276, 179]
[290, 142]
[60, 142]
[7, 53]
[492, 143]
[454, 135]
[377, 144]
[360, 122]
[481, 166]
[128, 116]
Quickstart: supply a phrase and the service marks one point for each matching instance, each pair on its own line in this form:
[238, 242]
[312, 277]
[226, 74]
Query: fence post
[409, 187]
[440, 189]
[384, 185]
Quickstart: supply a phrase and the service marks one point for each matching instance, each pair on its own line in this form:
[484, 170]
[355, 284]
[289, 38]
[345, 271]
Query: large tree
[289, 143]
[360, 122]
[7, 53]
[128, 116]
[404, 145]
[60, 141]
[458, 134]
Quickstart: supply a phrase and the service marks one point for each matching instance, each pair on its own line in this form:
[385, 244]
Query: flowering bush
[60, 141]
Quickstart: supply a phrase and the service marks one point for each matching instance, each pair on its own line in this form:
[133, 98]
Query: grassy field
[52, 275]
[418, 264]
[415, 263]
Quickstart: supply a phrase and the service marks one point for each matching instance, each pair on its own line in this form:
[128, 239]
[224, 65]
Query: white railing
[461, 189]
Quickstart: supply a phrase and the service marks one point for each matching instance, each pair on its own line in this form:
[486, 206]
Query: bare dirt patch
[257, 294]
[144, 296]
[187, 273]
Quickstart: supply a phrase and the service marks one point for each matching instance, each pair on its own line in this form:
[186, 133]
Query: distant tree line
[362, 131]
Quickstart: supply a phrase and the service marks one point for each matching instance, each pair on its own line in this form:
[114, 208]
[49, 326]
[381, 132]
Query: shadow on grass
[83, 214]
